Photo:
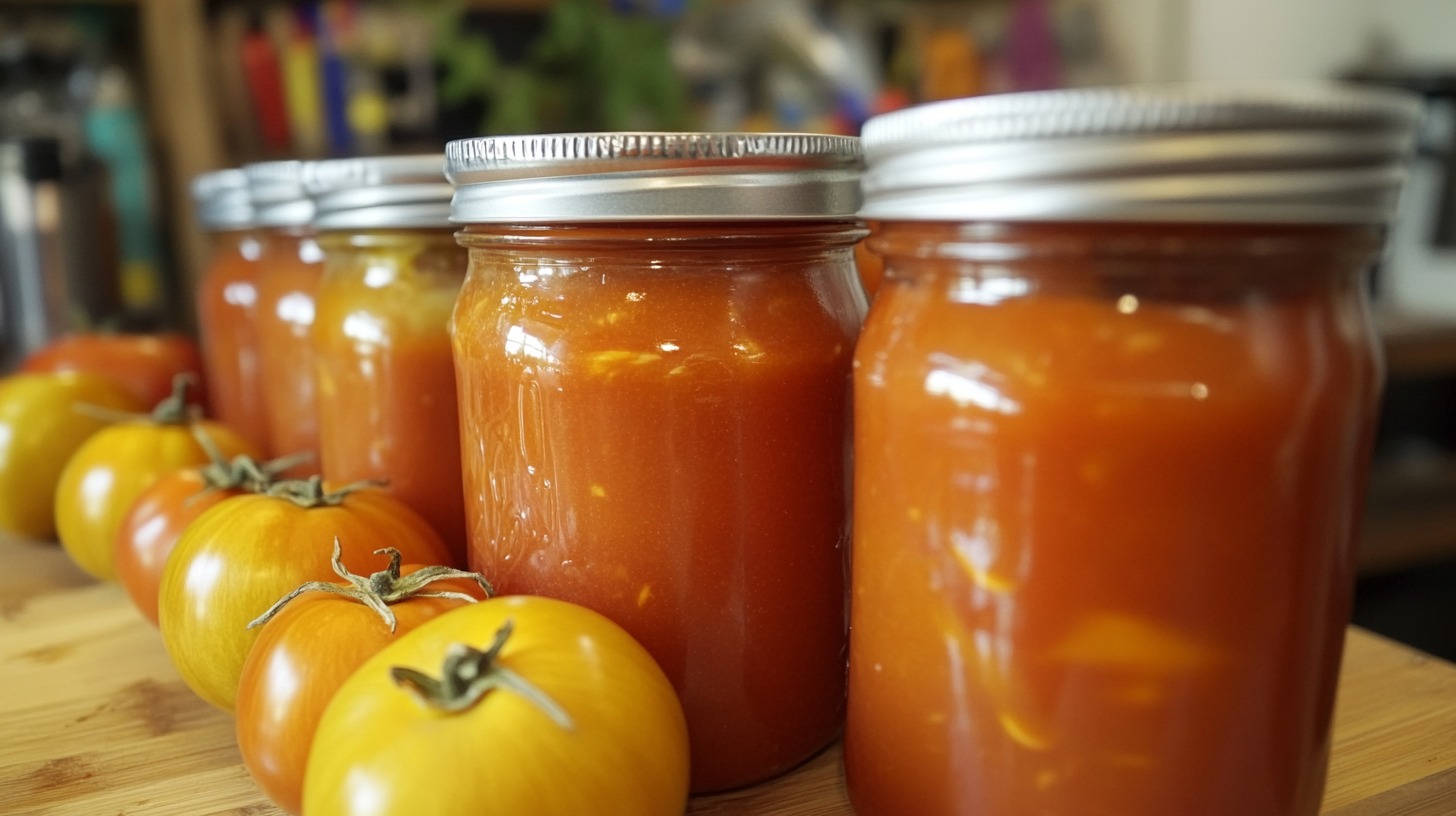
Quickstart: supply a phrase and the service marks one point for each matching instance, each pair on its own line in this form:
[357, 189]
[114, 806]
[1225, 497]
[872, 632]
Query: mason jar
[384, 375]
[653, 352]
[227, 302]
[290, 268]
[1114, 405]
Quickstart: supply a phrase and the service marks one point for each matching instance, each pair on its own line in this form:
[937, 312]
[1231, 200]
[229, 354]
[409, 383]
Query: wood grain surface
[94, 721]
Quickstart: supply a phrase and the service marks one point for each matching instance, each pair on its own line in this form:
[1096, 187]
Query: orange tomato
[113, 467]
[302, 656]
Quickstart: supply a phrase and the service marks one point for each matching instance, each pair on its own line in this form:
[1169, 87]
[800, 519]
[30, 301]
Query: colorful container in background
[227, 303]
[1114, 406]
[385, 375]
[291, 266]
[653, 350]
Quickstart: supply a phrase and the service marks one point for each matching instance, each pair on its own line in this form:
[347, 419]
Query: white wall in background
[1163, 40]
[1423, 31]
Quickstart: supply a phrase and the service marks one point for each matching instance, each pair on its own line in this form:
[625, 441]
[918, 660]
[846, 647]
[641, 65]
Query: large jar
[227, 303]
[385, 376]
[1114, 409]
[291, 266]
[653, 352]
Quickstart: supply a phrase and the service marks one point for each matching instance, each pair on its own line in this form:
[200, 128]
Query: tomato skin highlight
[380, 751]
[299, 660]
[105, 476]
[151, 527]
[238, 558]
[40, 429]
[143, 364]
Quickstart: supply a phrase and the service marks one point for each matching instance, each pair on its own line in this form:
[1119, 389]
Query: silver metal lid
[222, 202]
[373, 193]
[276, 189]
[1269, 152]
[653, 177]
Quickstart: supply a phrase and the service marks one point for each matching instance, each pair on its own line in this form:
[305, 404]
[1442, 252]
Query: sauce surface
[655, 425]
[1105, 503]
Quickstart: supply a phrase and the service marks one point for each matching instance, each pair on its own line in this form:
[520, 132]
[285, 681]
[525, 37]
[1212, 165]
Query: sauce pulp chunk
[655, 425]
[1105, 503]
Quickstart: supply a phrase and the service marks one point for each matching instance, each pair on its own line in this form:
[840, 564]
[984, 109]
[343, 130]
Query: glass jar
[385, 375]
[1111, 446]
[290, 269]
[653, 359]
[227, 303]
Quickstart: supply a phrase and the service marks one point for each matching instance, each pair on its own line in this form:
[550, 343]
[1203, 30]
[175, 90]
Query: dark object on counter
[58, 260]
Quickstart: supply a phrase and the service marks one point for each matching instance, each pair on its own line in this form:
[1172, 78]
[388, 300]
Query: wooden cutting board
[94, 721]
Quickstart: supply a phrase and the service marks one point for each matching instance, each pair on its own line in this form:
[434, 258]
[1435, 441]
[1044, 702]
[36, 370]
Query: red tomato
[241, 556]
[302, 656]
[144, 364]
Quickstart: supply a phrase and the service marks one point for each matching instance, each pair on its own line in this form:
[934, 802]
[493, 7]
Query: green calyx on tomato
[385, 587]
[242, 472]
[468, 674]
[310, 492]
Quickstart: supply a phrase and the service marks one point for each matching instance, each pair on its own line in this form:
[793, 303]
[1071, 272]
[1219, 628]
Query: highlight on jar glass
[291, 267]
[227, 302]
[385, 376]
[653, 353]
[1114, 407]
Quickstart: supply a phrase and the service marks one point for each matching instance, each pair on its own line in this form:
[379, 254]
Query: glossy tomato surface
[239, 557]
[112, 468]
[151, 528]
[379, 751]
[40, 427]
[144, 364]
[300, 659]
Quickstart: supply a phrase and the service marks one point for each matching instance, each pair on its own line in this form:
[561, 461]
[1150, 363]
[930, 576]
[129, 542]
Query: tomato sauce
[1107, 484]
[386, 377]
[291, 267]
[654, 424]
[227, 306]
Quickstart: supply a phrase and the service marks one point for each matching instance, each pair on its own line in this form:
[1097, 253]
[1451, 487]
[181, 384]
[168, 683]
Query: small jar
[291, 266]
[385, 378]
[653, 349]
[1114, 411]
[227, 303]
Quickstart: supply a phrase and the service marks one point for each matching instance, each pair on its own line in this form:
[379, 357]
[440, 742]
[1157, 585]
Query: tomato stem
[379, 590]
[174, 409]
[468, 674]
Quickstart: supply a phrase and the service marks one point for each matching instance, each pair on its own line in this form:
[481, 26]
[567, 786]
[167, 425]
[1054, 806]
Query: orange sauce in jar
[1107, 483]
[385, 375]
[227, 306]
[1114, 406]
[291, 268]
[654, 422]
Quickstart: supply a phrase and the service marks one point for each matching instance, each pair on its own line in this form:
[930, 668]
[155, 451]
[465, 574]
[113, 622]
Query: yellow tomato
[238, 558]
[40, 427]
[581, 722]
[114, 466]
